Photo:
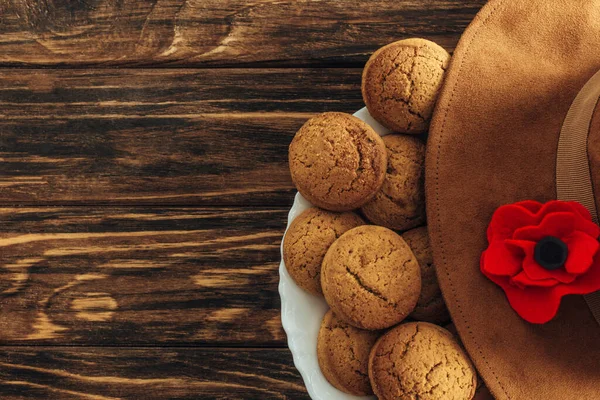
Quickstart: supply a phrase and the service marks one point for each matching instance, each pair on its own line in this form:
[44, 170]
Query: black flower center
[551, 253]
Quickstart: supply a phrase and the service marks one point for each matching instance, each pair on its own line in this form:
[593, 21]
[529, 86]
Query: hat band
[573, 176]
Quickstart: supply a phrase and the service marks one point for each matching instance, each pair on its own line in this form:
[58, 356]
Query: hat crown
[594, 153]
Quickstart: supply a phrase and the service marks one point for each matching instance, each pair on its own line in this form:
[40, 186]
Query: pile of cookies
[365, 247]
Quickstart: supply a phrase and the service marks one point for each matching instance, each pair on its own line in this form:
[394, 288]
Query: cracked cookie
[307, 240]
[430, 306]
[401, 82]
[343, 354]
[400, 203]
[370, 277]
[337, 161]
[419, 360]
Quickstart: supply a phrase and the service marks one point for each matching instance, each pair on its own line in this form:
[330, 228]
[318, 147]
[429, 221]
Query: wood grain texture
[219, 32]
[134, 373]
[174, 136]
[140, 276]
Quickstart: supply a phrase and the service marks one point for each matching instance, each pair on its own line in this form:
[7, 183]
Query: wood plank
[219, 32]
[147, 373]
[168, 136]
[140, 276]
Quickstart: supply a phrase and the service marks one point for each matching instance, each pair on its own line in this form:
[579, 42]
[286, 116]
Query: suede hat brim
[493, 141]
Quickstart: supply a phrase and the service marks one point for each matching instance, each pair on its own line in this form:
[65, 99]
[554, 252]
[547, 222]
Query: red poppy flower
[539, 253]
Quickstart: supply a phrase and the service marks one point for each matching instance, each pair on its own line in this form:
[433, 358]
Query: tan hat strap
[573, 176]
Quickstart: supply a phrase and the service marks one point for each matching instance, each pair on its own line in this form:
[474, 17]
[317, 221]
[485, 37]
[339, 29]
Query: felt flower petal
[583, 218]
[586, 283]
[498, 259]
[530, 205]
[560, 225]
[526, 246]
[537, 273]
[507, 219]
[537, 305]
[582, 249]
[560, 206]
[587, 227]
[584, 212]
[523, 281]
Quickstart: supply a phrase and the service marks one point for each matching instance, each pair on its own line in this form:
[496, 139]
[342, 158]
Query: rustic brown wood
[140, 276]
[146, 373]
[219, 32]
[200, 137]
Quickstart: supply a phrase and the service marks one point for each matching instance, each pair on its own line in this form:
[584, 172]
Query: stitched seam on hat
[437, 181]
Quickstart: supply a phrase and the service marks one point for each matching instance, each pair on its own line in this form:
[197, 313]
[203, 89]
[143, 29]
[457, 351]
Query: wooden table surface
[144, 185]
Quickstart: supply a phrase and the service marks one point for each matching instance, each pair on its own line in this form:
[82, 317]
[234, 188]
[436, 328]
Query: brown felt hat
[494, 140]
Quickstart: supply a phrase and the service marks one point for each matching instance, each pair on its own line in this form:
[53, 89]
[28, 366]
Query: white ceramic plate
[301, 312]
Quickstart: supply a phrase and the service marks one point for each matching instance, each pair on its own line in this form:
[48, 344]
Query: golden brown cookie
[370, 277]
[337, 161]
[419, 360]
[401, 82]
[343, 353]
[307, 240]
[431, 306]
[400, 203]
